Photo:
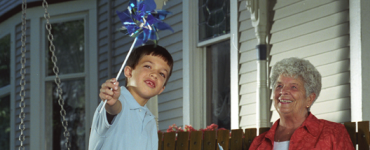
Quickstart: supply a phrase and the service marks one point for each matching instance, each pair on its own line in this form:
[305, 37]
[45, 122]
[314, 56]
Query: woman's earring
[308, 106]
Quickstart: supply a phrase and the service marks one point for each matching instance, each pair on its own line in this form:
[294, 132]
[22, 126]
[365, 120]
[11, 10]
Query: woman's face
[290, 96]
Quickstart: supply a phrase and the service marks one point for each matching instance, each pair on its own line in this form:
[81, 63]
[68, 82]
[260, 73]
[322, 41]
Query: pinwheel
[142, 22]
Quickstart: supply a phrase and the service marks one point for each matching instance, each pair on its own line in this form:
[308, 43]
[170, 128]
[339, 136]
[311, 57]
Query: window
[218, 84]
[214, 18]
[214, 29]
[5, 122]
[5, 92]
[5, 61]
[69, 41]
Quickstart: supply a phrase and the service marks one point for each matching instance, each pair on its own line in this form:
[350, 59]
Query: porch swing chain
[22, 93]
[56, 72]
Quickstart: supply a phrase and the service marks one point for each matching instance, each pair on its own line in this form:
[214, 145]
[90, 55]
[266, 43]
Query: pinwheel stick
[120, 70]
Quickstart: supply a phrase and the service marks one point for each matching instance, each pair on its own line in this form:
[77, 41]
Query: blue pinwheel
[142, 21]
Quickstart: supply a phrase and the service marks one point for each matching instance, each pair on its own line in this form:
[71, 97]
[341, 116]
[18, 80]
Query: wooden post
[182, 142]
[196, 140]
[160, 140]
[363, 135]
[209, 142]
[262, 130]
[223, 139]
[236, 142]
[351, 129]
[169, 141]
[249, 135]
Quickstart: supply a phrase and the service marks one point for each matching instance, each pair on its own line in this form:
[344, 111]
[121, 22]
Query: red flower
[174, 128]
[189, 128]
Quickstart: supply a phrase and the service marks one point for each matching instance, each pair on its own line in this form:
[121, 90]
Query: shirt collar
[132, 103]
[311, 124]
[271, 133]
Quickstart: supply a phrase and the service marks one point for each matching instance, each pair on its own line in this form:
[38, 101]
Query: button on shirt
[312, 134]
[133, 128]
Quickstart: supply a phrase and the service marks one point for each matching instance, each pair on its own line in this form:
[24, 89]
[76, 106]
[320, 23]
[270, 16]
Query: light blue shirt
[133, 128]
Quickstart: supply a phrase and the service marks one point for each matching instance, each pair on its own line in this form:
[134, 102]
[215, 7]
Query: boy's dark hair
[151, 49]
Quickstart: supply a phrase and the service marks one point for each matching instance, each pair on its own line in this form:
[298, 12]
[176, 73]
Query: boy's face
[148, 77]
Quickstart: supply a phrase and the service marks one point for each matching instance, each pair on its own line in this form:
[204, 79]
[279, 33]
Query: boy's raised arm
[114, 109]
[110, 91]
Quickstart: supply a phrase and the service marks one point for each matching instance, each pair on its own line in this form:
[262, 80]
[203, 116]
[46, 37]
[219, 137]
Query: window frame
[234, 65]
[71, 76]
[194, 54]
[7, 90]
[35, 17]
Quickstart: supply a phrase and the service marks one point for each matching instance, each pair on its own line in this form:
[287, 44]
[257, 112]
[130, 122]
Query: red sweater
[312, 134]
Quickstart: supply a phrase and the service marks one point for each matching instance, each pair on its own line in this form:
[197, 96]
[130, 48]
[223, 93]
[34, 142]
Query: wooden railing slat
[209, 142]
[363, 135]
[249, 135]
[263, 130]
[351, 129]
[223, 139]
[182, 142]
[169, 141]
[236, 142]
[160, 140]
[196, 140]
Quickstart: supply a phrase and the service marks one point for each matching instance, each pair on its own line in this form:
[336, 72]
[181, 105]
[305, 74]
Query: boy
[126, 123]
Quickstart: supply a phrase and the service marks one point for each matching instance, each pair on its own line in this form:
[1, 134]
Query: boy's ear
[128, 72]
[161, 90]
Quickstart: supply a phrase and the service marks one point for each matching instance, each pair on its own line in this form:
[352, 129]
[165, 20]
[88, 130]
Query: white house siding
[248, 68]
[170, 101]
[319, 32]
[18, 66]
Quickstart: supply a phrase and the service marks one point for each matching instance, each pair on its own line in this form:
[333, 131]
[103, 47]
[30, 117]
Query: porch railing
[207, 140]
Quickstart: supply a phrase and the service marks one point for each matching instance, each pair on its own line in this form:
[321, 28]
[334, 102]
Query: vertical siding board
[169, 114]
[18, 56]
[248, 45]
[309, 15]
[312, 38]
[312, 26]
[299, 7]
[173, 43]
[308, 38]
[245, 99]
[163, 126]
[170, 105]
[313, 49]
[248, 68]
[284, 3]
[248, 77]
[103, 66]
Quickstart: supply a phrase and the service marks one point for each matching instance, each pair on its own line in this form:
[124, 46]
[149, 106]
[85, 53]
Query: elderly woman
[296, 84]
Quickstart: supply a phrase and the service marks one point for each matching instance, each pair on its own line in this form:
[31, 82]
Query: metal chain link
[56, 72]
[22, 83]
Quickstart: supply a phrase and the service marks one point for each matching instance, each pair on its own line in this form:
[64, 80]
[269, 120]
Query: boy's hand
[110, 91]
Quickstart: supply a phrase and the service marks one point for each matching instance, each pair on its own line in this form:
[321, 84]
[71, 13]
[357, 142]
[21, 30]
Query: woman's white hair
[296, 67]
